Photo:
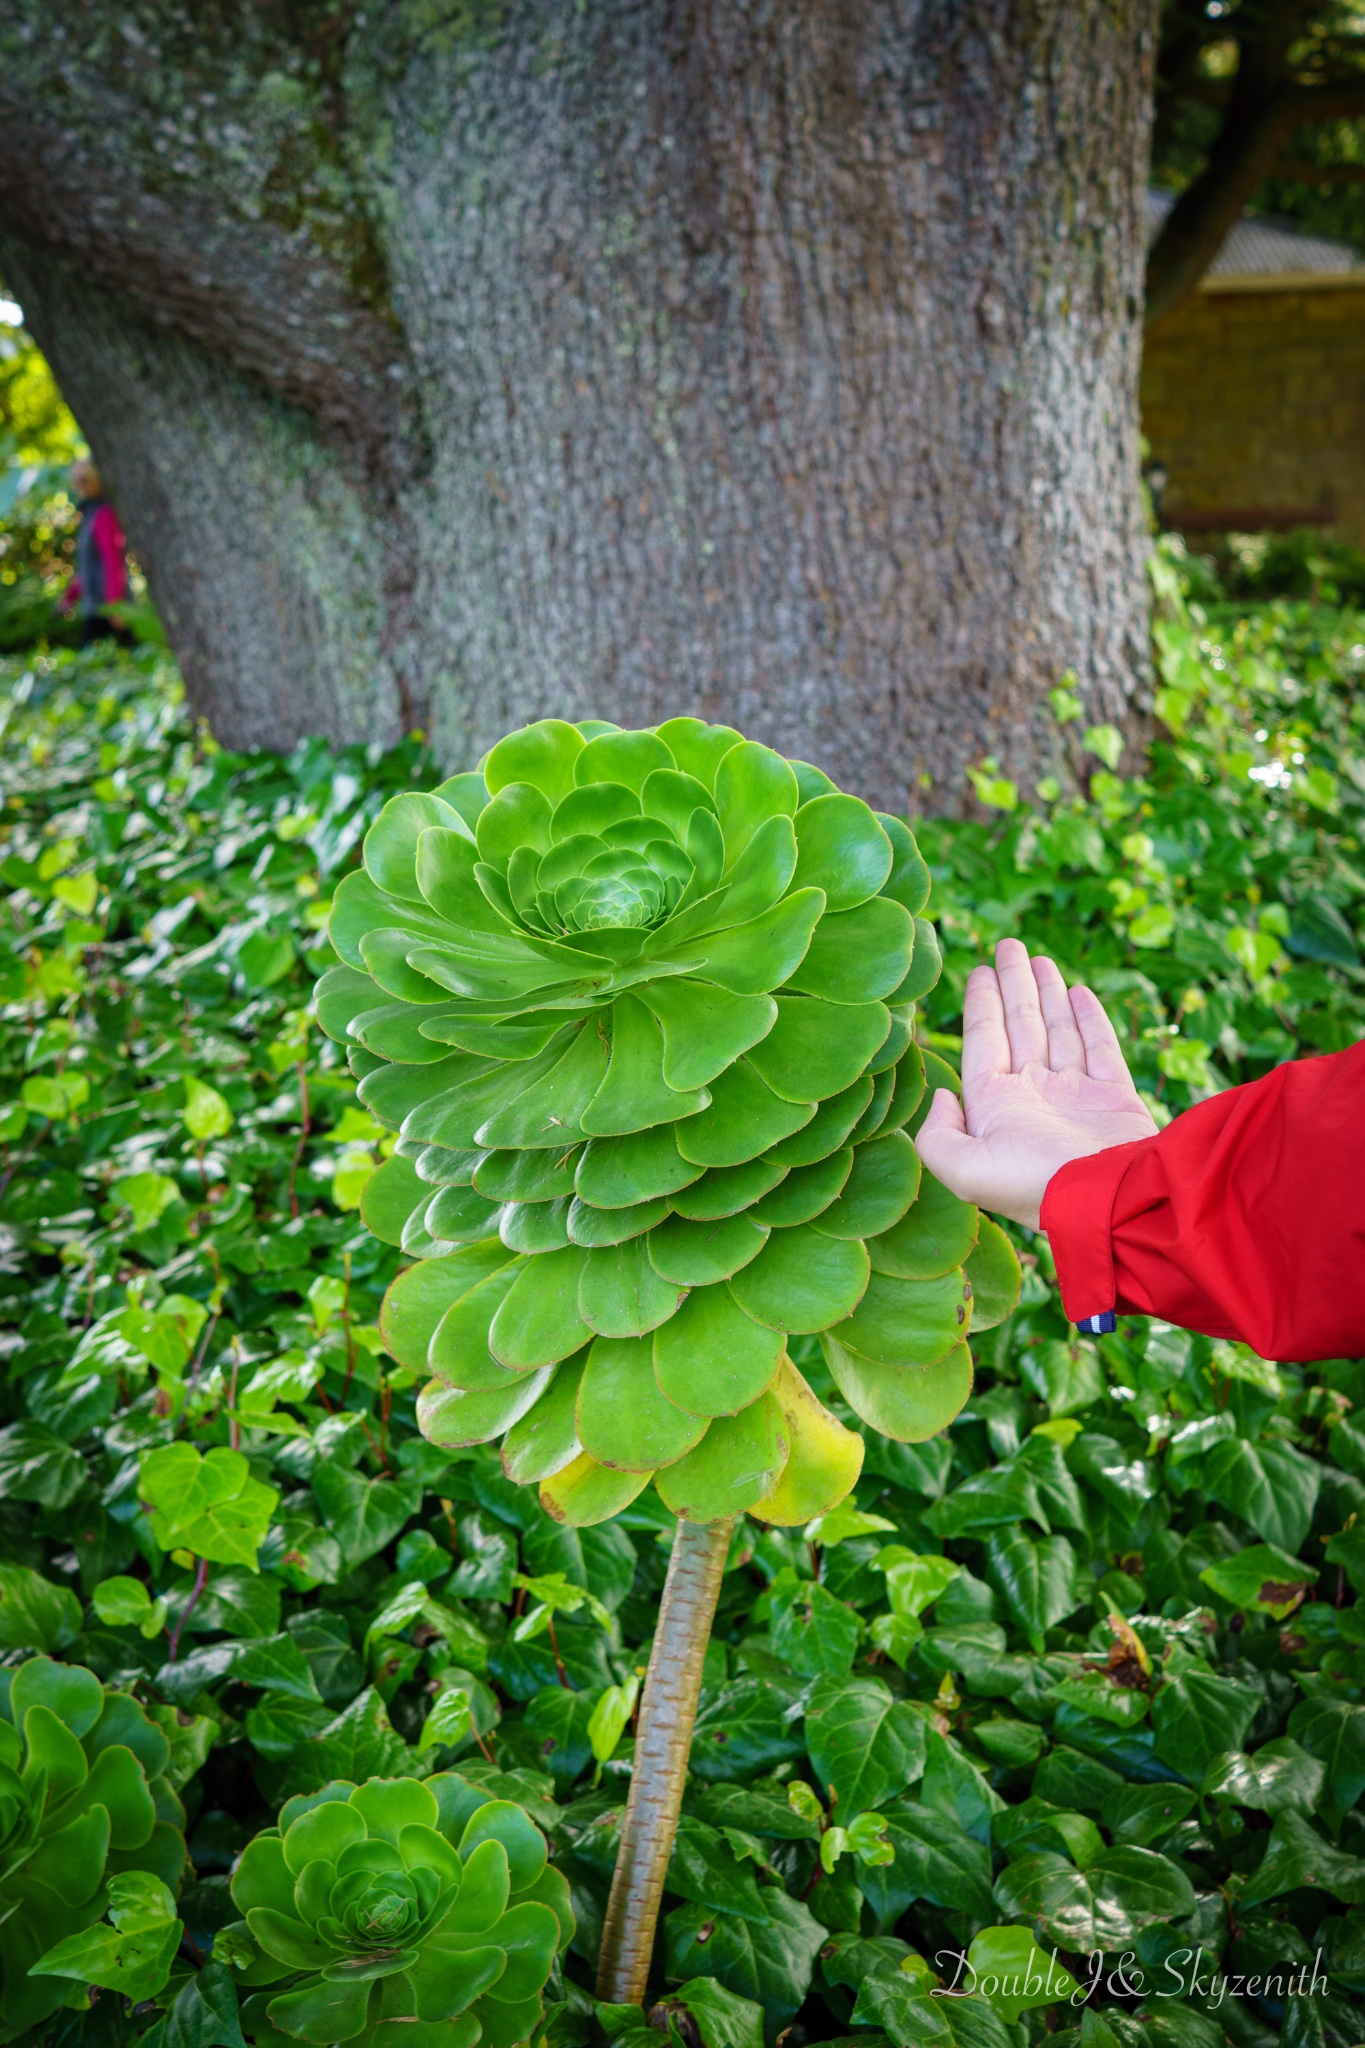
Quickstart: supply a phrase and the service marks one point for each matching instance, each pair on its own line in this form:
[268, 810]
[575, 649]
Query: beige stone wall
[1254, 403]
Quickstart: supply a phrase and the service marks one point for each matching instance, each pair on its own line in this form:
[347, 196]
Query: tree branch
[1259, 122]
[263, 299]
[1293, 170]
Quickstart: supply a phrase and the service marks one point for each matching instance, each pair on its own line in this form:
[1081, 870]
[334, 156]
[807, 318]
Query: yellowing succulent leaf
[823, 1458]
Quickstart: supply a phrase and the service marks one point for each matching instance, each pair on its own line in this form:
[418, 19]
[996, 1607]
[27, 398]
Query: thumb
[942, 1142]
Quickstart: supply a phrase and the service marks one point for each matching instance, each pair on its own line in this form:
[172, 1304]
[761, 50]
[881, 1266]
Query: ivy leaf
[1272, 1487]
[449, 1720]
[165, 1334]
[1013, 1975]
[325, 1641]
[902, 2006]
[277, 1727]
[761, 1809]
[1347, 1551]
[746, 1727]
[36, 1465]
[977, 1650]
[1261, 1579]
[523, 1669]
[1041, 1455]
[1122, 1478]
[363, 1514]
[770, 1962]
[1142, 1814]
[994, 1499]
[1297, 1856]
[1103, 1907]
[134, 1955]
[812, 1630]
[720, 2019]
[275, 1664]
[1333, 1731]
[865, 1745]
[1067, 1376]
[913, 1582]
[204, 2014]
[1095, 1692]
[1196, 1716]
[1037, 1579]
[1280, 1776]
[206, 1113]
[147, 1195]
[953, 1786]
[242, 1603]
[360, 1743]
[125, 1603]
[704, 1869]
[843, 1522]
[561, 1721]
[35, 1614]
[933, 1859]
[206, 1503]
[608, 1721]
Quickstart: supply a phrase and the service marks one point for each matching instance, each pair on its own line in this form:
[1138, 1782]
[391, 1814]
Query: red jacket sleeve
[1244, 1218]
[112, 546]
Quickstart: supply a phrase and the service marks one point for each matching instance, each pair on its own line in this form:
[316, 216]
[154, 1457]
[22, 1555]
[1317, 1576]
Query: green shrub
[1055, 1659]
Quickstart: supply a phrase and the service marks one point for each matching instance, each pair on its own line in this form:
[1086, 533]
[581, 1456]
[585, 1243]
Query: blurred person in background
[101, 576]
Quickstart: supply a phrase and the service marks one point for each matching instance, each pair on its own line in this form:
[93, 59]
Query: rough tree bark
[460, 364]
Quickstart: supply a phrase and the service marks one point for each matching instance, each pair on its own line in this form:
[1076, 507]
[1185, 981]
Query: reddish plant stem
[305, 1126]
[559, 1661]
[201, 1579]
[234, 1426]
[350, 1334]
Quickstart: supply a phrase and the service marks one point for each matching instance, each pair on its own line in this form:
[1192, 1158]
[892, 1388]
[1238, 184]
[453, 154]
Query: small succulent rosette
[82, 1775]
[639, 1006]
[397, 1913]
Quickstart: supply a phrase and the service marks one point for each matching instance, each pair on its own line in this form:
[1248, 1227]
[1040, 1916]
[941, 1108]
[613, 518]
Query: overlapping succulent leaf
[639, 1006]
[398, 1912]
[81, 1778]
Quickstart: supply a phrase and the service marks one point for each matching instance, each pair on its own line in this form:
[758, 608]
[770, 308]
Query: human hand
[1043, 1081]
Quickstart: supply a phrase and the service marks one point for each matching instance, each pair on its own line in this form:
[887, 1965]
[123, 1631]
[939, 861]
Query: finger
[943, 1144]
[1024, 1024]
[1065, 1046]
[985, 1046]
[1104, 1059]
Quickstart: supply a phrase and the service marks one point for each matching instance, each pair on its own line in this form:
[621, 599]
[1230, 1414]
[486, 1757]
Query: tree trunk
[775, 362]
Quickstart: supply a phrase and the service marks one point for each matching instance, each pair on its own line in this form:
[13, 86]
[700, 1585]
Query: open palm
[1043, 1081]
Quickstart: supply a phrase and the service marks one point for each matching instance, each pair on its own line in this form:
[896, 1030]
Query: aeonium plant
[639, 1006]
[81, 1778]
[398, 1913]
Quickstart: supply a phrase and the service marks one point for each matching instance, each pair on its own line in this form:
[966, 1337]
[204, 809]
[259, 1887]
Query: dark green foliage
[1083, 1670]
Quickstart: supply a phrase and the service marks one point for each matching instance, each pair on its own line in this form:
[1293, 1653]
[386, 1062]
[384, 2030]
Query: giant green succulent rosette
[639, 1006]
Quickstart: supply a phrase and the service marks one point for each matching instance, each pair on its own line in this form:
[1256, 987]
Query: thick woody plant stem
[667, 1714]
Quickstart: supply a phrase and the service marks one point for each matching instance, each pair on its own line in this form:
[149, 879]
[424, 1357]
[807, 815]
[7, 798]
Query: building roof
[1265, 247]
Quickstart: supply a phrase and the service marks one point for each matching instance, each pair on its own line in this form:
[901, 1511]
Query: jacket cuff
[1077, 1214]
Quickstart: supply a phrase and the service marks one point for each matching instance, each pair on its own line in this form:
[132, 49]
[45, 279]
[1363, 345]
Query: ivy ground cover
[1061, 1715]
